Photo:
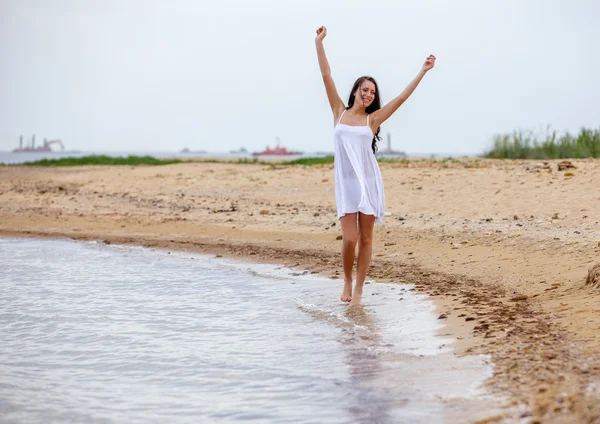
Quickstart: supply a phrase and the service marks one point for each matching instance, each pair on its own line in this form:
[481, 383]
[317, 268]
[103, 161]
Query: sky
[146, 75]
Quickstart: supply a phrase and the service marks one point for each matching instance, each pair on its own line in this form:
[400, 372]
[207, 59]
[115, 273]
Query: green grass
[103, 160]
[149, 160]
[527, 145]
[309, 161]
[393, 160]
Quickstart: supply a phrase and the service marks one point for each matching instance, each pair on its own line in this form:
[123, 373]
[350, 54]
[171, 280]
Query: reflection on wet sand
[361, 339]
[363, 349]
[391, 377]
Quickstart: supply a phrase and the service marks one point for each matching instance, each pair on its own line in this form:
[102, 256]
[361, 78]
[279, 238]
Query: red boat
[277, 151]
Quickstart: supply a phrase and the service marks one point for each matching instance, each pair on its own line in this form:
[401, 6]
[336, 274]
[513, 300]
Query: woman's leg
[365, 247]
[349, 240]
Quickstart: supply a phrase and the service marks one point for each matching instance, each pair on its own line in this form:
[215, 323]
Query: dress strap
[368, 120]
[340, 120]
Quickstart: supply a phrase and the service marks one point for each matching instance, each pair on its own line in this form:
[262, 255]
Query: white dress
[358, 182]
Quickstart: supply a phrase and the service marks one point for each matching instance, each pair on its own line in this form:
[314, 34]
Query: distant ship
[39, 149]
[389, 151]
[277, 151]
[240, 151]
[187, 150]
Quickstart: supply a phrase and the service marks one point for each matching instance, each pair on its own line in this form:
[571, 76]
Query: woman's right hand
[321, 33]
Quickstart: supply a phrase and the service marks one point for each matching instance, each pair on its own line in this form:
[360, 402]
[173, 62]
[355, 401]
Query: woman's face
[365, 94]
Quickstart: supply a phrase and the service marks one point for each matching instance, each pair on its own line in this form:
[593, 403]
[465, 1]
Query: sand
[502, 247]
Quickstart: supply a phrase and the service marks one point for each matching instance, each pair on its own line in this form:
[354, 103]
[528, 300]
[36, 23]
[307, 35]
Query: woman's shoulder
[337, 114]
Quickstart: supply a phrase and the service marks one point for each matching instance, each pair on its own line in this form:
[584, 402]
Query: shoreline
[511, 286]
[461, 332]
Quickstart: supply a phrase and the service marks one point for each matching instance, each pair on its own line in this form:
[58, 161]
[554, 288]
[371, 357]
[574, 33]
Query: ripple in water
[95, 333]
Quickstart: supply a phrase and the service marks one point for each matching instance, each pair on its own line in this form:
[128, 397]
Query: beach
[503, 247]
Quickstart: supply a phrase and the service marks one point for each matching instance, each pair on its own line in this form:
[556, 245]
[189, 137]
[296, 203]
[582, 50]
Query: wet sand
[503, 247]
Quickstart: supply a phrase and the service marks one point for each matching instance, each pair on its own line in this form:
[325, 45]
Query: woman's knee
[350, 240]
[366, 239]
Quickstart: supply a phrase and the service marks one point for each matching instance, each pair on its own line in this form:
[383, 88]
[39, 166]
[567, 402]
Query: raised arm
[380, 116]
[336, 103]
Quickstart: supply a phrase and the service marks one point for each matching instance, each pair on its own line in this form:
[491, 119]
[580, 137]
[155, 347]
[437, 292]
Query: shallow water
[102, 333]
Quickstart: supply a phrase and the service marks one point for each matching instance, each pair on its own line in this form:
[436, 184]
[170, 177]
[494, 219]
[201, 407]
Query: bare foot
[347, 292]
[356, 298]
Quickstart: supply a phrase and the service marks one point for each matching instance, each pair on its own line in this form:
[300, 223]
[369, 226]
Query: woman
[358, 185]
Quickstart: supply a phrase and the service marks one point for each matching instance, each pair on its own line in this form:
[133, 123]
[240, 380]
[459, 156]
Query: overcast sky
[141, 75]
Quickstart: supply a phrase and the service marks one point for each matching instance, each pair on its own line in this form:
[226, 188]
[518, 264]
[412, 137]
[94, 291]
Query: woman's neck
[357, 110]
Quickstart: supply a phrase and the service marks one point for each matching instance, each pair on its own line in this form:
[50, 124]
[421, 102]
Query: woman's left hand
[429, 63]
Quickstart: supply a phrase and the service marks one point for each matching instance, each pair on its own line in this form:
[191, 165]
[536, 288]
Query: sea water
[100, 333]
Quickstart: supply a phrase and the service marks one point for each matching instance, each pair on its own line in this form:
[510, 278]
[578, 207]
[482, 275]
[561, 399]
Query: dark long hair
[376, 105]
